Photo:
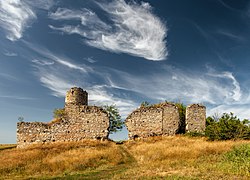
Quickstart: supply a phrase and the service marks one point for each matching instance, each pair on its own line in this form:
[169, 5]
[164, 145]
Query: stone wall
[91, 122]
[195, 118]
[171, 119]
[80, 122]
[154, 120]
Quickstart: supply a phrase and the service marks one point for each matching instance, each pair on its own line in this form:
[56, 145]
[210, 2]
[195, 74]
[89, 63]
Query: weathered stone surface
[76, 96]
[91, 122]
[80, 122]
[153, 120]
[195, 118]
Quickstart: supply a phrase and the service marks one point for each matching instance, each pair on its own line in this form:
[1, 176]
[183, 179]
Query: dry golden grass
[57, 158]
[179, 156]
[176, 157]
[7, 146]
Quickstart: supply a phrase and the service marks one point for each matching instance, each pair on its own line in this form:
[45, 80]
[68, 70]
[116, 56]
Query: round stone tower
[76, 96]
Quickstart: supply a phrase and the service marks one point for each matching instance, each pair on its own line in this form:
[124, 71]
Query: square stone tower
[195, 118]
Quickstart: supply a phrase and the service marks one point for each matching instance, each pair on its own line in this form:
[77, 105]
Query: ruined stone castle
[163, 119]
[81, 121]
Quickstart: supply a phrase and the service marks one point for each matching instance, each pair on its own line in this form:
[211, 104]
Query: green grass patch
[237, 161]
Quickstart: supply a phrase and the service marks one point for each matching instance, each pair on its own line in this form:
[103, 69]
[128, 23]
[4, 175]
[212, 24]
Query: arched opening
[135, 137]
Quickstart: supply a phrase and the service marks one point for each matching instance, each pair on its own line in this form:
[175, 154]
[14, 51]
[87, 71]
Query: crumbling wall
[195, 118]
[171, 119]
[79, 122]
[162, 119]
[31, 132]
[76, 96]
[144, 122]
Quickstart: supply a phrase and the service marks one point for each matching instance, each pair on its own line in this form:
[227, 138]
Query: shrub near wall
[227, 127]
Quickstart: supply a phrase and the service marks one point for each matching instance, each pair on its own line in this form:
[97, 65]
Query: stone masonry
[79, 122]
[162, 119]
[195, 118]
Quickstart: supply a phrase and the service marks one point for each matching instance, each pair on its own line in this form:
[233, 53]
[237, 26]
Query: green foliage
[182, 115]
[20, 119]
[59, 113]
[115, 122]
[145, 104]
[227, 127]
[239, 159]
[194, 134]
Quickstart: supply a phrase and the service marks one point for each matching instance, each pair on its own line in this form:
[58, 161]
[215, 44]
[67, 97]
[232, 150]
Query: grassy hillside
[176, 157]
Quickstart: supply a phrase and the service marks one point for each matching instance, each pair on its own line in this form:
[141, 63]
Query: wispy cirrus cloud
[241, 110]
[134, 29]
[59, 74]
[10, 54]
[43, 62]
[16, 97]
[99, 95]
[172, 84]
[220, 91]
[17, 15]
[50, 59]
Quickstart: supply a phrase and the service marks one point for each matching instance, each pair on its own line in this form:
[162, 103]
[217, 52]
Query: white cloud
[51, 59]
[57, 85]
[134, 29]
[17, 15]
[16, 97]
[174, 84]
[98, 95]
[43, 62]
[235, 93]
[41, 4]
[59, 74]
[8, 76]
[10, 54]
[240, 110]
[90, 59]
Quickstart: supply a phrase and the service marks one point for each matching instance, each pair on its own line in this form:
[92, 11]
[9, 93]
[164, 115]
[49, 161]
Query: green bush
[227, 127]
[59, 113]
[145, 104]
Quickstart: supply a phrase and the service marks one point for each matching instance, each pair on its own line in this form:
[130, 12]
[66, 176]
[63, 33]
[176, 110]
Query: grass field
[176, 157]
[7, 146]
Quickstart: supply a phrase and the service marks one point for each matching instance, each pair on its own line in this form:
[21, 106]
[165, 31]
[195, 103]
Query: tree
[59, 113]
[182, 115]
[20, 119]
[228, 126]
[145, 104]
[115, 122]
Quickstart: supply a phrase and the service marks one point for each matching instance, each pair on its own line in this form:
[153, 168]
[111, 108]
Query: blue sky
[122, 52]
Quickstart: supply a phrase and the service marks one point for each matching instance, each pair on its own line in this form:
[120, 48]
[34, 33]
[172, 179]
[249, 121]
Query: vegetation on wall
[59, 113]
[182, 115]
